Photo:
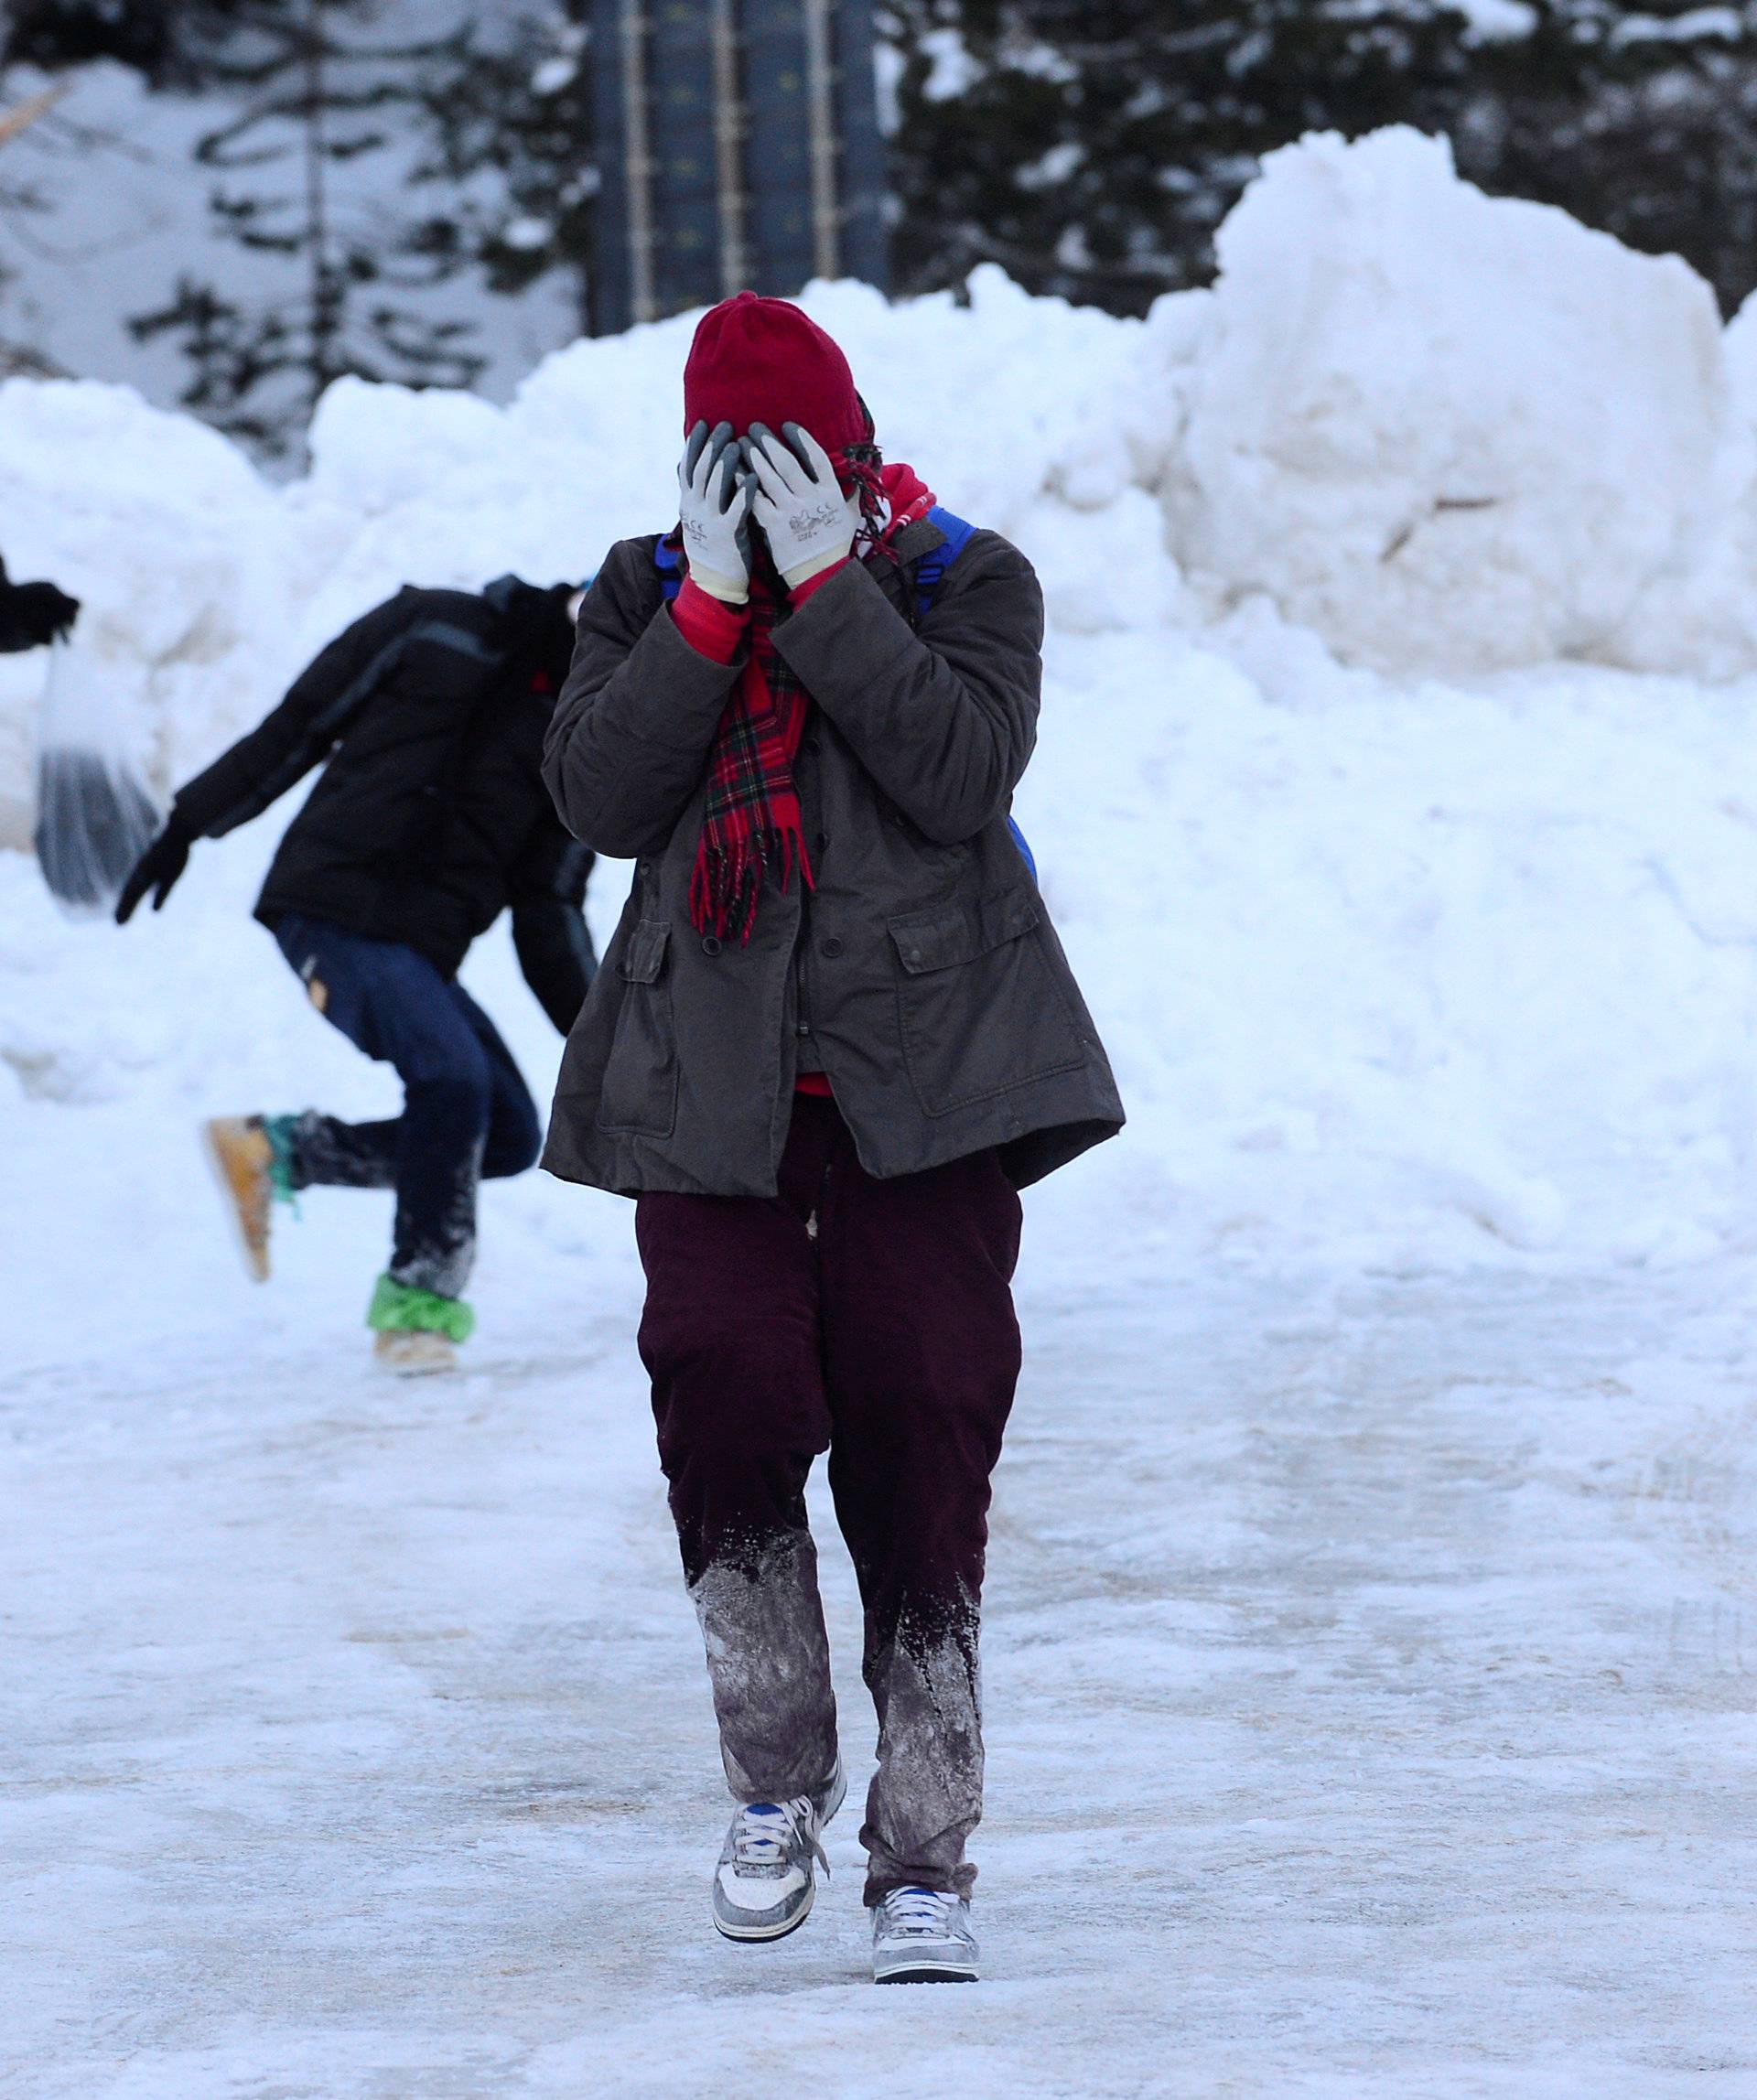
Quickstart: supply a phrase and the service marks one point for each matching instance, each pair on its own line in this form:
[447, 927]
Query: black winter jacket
[431, 816]
[922, 972]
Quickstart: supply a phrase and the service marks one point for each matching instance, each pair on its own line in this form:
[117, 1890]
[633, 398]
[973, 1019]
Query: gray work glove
[714, 488]
[809, 524]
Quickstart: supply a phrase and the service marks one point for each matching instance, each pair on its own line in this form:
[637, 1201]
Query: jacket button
[803, 1028]
[710, 947]
[832, 948]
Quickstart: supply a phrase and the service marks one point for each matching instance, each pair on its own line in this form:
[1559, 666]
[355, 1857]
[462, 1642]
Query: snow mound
[1450, 431]
[178, 552]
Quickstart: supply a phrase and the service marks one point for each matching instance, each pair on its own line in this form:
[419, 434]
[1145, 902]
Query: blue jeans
[466, 1110]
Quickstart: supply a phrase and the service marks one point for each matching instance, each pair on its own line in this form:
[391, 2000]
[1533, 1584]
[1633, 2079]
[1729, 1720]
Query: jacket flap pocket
[959, 933]
[645, 954]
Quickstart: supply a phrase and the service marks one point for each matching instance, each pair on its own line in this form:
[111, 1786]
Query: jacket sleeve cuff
[802, 591]
[814, 631]
[711, 627]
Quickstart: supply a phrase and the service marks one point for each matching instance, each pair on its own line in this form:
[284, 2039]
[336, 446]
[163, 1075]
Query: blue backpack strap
[1025, 853]
[666, 560]
[930, 572]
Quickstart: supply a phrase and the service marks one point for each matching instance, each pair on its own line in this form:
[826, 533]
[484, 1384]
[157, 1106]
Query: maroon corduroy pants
[873, 1319]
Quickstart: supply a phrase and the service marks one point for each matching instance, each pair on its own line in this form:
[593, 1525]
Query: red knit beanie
[762, 360]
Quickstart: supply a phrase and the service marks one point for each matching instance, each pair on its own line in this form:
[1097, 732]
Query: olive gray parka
[921, 974]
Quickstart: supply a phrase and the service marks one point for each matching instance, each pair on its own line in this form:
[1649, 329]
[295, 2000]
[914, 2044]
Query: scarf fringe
[727, 880]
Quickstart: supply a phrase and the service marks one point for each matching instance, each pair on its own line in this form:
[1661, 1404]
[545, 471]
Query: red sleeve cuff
[801, 592]
[711, 627]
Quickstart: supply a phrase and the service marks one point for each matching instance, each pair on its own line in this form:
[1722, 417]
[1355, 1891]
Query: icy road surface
[1370, 1670]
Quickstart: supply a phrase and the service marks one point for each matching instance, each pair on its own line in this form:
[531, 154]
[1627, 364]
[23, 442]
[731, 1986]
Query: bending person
[428, 717]
[836, 1034]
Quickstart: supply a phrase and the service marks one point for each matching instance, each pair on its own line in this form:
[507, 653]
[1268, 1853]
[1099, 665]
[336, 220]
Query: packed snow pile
[1448, 431]
[178, 553]
[1405, 849]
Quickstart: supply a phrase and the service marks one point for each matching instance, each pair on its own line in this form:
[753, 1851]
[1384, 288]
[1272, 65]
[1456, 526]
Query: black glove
[34, 614]
[161, 864]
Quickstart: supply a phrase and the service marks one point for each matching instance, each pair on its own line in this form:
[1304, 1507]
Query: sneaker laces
[918, 1913]
[764, 1831]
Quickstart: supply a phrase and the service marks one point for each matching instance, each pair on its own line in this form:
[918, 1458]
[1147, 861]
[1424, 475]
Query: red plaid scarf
[751, 821]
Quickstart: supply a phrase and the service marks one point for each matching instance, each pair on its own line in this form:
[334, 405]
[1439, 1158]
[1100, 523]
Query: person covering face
[834, 1035]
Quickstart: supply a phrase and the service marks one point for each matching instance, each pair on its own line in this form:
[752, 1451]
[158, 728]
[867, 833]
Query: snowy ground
[1370, 1665]
[1372, 1647]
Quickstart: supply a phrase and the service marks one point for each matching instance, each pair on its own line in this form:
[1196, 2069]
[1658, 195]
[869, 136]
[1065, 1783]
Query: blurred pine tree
[306, 88]
[308, 95]
[509, 160]
[169, 41]
[1093, 146]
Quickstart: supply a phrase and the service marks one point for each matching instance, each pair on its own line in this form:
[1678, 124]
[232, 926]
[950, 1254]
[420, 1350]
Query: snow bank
[1450, 430]
[1399, 954]
[178, 552]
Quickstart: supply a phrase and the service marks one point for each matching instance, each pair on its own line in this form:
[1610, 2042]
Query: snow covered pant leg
[889, 1337]
[921, 1353]
[466, 1110]
[731, 1339]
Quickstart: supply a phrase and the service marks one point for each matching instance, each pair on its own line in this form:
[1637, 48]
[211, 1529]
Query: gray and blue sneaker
[767, 1875]
[920, 1936]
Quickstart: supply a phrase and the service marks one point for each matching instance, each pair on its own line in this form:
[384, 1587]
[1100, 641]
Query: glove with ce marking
[809, 524]
[158, 868]
[714, 487]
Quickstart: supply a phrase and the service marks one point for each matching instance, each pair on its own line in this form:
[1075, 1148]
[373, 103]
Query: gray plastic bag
[95, 814]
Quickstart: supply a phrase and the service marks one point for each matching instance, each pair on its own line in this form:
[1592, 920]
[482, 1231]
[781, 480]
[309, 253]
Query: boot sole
[445, 1366]
[751, 1936]
[936, 1974]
